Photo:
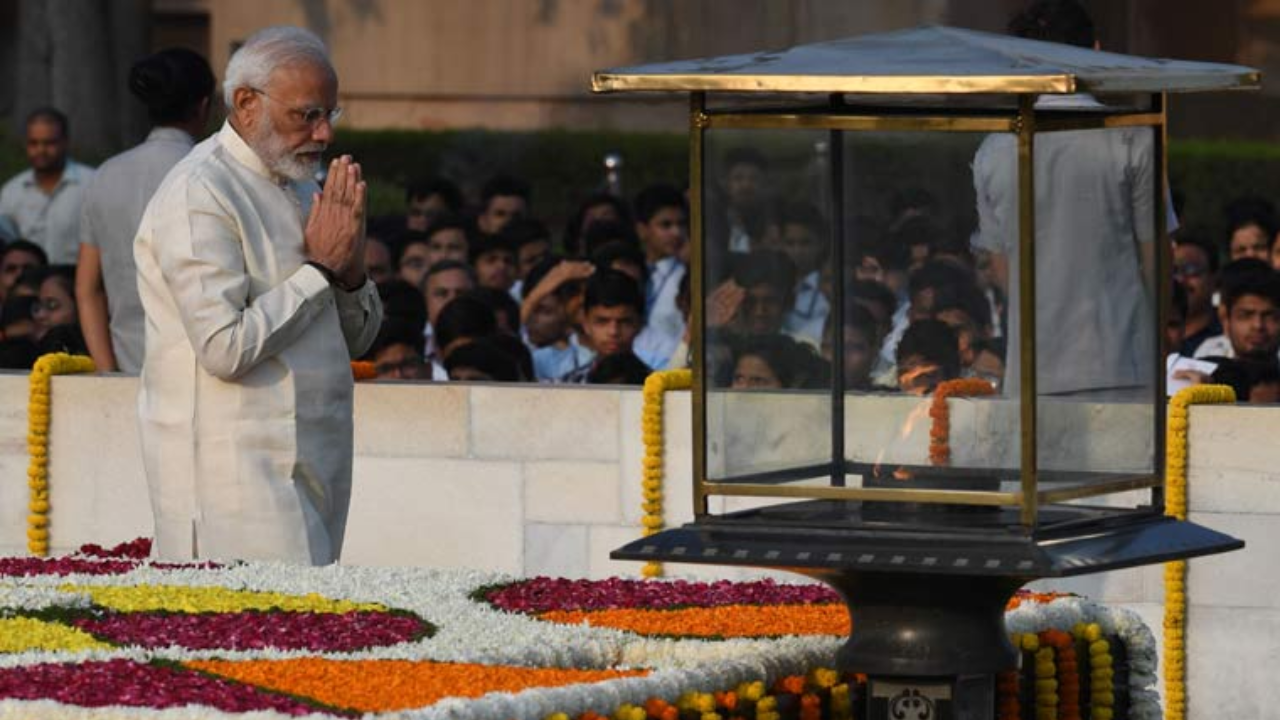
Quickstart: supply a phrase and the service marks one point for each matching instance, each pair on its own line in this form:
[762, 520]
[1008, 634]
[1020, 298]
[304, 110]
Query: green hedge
[564, 165]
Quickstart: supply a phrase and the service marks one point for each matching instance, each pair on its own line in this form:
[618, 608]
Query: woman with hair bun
[176, 86]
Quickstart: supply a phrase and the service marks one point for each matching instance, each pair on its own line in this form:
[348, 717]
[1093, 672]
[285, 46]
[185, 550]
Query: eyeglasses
[310, 116]
[407, 366]
[1189, 270]
[48, 305]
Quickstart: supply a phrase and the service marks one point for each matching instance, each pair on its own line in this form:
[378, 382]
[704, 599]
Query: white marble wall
[538, 480]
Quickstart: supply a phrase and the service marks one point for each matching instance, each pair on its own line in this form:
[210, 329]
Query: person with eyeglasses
[256, 295]
[1195, 268]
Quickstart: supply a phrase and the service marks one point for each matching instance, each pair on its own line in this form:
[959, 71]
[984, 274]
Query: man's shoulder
[16, 182]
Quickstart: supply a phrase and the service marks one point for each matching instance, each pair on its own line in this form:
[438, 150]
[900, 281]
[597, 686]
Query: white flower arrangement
[474, 632]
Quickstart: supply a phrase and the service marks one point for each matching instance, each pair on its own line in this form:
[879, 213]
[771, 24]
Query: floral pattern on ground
[382, 685]
[725, 621]
[253, 630]
[135, 684]
[543, 594]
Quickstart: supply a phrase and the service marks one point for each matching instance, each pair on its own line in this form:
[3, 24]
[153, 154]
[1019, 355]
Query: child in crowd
[612, 314]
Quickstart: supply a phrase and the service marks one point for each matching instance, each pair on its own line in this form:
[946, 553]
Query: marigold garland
[725, 621]
[1175, 573]
[1068, 673]
[940, 414]
[655, 386]
[38, 418]
[363, 370]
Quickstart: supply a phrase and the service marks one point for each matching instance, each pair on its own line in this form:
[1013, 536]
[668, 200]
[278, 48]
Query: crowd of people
[478, 288]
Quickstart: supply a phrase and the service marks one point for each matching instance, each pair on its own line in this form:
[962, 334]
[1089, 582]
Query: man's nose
[322, 132]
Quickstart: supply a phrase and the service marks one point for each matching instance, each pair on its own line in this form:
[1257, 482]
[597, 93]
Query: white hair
[268, 50]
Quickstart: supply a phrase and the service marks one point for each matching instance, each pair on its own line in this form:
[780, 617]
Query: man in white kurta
[1095, 229]
[245, 406]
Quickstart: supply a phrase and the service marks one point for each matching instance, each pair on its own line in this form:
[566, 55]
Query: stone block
[1229, 651]
[14, 495]
[544, 423]
[411, 420]
[586, 493]
[603, 539]
[1245, 578]
[436, 513]
[98, 486]
[555, 550]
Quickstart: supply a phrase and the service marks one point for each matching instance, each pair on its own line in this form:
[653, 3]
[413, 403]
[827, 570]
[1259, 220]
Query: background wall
[526, 64]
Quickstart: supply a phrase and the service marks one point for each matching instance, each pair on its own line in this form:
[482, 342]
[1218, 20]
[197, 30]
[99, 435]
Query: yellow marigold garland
[38, 408]
[940, 414]
[655, 386]
[1175, 573]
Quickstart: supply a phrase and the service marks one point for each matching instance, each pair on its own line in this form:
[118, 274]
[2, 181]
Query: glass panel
[1097, 352]
[767, 269]
[924, 308]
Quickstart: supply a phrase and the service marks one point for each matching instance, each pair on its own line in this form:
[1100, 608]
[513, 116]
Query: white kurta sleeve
[995, 188]
[360, 314]
[201, 258]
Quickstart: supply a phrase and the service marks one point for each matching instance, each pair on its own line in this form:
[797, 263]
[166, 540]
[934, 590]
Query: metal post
[1027, 305]
[697, 285]
[1163, 287]
[835, 152]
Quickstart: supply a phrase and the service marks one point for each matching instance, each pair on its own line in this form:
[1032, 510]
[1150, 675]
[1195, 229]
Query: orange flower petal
[382, 685]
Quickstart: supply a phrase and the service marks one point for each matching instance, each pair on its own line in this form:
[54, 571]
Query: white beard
[270, 146]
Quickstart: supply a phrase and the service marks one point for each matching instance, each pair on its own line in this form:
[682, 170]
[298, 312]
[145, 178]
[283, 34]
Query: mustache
[312, 148]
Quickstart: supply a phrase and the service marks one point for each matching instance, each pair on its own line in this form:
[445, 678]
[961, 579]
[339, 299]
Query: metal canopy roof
[930, 60]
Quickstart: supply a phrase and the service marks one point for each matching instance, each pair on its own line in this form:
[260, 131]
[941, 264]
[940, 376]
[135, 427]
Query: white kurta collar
[246, 155]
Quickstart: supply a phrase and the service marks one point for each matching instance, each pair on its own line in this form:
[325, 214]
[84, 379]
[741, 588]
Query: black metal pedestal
[927, 590]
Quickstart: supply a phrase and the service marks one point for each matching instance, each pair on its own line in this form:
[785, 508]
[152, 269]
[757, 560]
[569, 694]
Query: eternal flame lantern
[1009, 426]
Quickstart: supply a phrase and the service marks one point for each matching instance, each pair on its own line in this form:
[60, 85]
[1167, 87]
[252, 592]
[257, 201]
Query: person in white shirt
[1250, 314]
[253, 283]
[804, 238]
[176, 86]
[42, 203]
[662, 225]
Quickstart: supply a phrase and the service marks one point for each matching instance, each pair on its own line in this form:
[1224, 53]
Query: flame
[916, 416]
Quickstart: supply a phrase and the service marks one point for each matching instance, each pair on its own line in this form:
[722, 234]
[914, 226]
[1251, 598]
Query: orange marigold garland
[940, 414]
[1068, 680]
[363, 370]
[39, 408]
[1175, 572]
[655, 387]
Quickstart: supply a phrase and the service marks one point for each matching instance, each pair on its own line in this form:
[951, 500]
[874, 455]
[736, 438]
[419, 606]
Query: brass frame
[1025, 123]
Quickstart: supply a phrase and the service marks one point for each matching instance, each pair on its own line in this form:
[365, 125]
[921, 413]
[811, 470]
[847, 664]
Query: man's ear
[1223, 315]
[243, 102]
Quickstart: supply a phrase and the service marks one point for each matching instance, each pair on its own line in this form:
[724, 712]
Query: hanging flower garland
[1175, 573]
[1067, 685]
[363, 370]
[655, 386]
[1102, 689]
[38, 409]
[940, 414]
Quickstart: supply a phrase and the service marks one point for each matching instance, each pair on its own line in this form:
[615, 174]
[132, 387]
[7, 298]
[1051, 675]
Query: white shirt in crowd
[808, 315]
[246, 392]
[51, 221]
[113, 205]
[664, 323]
[552, 364]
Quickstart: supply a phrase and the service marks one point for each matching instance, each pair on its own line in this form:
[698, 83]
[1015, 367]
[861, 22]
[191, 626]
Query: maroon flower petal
[251, 630]
[544, 594]
[125, 682]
